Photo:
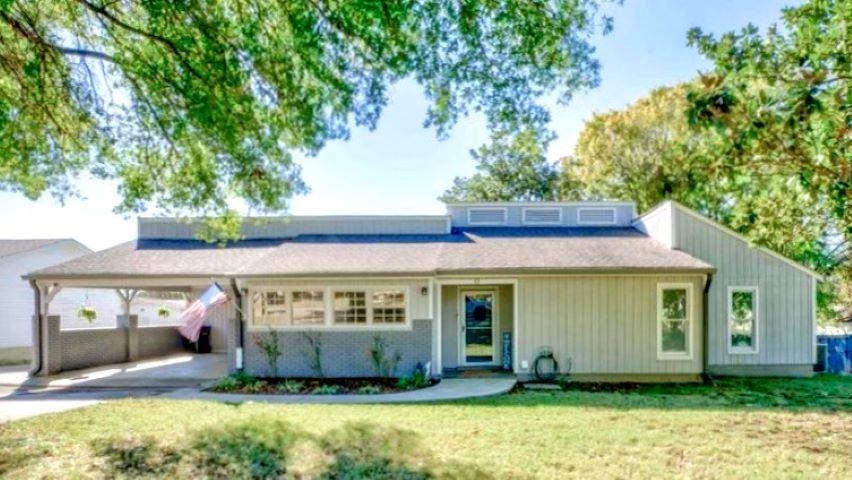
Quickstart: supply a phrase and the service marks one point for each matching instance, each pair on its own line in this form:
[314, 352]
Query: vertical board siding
[449, 326]
[604, 324]
[658, 224]
[785, 325]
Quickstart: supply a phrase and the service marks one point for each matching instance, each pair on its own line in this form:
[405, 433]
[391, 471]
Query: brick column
[52, 343]
[131, 324]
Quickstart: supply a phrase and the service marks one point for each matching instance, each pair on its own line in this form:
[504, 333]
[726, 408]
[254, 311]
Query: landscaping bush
[270, 346]
[383, 363]
[234, 382]
[326, 390]
[417, 379]
[369, 390]
[291, 386]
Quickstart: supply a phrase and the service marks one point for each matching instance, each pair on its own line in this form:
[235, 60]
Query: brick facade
[344, 353]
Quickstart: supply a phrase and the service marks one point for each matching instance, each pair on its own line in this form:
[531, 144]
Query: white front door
[478, 327]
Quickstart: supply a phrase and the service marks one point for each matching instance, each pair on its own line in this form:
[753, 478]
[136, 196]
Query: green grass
[736, 428]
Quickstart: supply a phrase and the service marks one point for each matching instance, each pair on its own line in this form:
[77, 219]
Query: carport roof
[470, 250]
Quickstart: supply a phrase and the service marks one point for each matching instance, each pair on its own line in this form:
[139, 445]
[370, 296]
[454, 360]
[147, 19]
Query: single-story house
[668, 295]
[18, 257]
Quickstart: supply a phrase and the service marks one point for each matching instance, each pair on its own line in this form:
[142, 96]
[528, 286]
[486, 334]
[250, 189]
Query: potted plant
[163, 312]
[88, 314]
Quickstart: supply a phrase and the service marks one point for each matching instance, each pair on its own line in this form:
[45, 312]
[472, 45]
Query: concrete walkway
[448, 389]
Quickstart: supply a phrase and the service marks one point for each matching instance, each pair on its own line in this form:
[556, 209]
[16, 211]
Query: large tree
[189, 103]
[761, 142]
[512, 167]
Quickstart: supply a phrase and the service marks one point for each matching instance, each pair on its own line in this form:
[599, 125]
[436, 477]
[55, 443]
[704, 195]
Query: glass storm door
[477, 327]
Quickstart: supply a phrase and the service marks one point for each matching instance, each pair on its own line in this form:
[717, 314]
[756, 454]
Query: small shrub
[268, 342]
[226, 384]
[314, 352]
[369, 390]
[234, 382]
[290, 386]
[163, 312]
[417, 379]
[256, 386]
[384, 364]
[326, 390]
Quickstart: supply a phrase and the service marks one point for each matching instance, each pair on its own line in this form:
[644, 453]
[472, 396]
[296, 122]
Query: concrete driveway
[21, 396]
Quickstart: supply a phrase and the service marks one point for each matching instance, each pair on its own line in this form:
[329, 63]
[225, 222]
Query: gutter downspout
[238, 298]
[705, 327]
[39, 334]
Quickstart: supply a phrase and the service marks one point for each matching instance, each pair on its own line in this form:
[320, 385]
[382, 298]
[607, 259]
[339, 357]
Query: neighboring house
[668, 295]
[18, 257]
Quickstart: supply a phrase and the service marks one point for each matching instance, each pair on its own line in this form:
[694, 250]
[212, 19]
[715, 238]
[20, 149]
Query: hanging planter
[163, 312]
[88, 314]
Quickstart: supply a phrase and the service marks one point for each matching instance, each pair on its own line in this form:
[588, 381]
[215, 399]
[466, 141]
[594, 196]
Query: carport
[125, 342]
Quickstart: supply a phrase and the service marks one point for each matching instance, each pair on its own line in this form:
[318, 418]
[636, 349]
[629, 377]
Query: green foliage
[314, 352]
[780, 103]
[513, 167]
[650, 152]
[369, 390]
[256, 386]
[163, 312]
[291, 386]
[88, 314]
[417, 379]
[236, 381]
[271, 346]
[326, 390]
[384, 363]
[192, 104]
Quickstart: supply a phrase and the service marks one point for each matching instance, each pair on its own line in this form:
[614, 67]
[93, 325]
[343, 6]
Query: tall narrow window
[742, 319]
[674, 318]
[350, 307]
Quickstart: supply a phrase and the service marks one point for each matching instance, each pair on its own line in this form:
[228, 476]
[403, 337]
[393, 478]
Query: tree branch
[34, 37]
[103, 12]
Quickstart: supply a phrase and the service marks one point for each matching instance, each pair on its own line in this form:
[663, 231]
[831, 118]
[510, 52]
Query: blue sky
[401, 168]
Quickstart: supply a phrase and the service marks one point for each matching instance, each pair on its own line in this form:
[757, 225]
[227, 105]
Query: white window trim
[491, 209]
[732, 350]
[524, 220]
[661, 355]
[612, 209]
[328, 294]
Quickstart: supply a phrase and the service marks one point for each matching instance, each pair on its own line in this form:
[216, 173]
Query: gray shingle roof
[11, 247]
[468, 250]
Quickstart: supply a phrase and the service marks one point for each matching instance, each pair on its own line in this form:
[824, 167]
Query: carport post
[129, 322]
[47, 345]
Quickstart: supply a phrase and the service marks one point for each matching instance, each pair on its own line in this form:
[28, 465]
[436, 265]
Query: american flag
[193, 316]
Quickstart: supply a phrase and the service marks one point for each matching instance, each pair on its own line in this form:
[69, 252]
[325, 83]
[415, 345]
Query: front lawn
[738, 428]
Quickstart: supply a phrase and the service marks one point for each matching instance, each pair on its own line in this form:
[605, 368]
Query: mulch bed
[328, 386]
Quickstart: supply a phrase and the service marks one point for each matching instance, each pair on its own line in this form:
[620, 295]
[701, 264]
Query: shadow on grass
[16, 453]
[260, 448]
[824, 393]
